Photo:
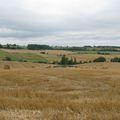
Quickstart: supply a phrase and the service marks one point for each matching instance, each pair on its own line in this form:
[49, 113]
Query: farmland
[28, 56]
[53, 55]
[33, 91]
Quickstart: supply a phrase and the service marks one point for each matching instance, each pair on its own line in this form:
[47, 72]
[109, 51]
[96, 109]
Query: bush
[100, 59]
[22, 60]
[7, 58]
[115, 59]
[90, 61]
[80, 62]
[45, 62]
[25, 61]
[85, 62]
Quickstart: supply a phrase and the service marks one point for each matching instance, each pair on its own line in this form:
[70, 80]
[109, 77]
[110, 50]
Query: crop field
[59, 60]
[28, 56]
[50, 56]
[52, 52]
[32, 91]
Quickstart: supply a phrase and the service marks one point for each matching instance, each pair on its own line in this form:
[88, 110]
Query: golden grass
[40, 93]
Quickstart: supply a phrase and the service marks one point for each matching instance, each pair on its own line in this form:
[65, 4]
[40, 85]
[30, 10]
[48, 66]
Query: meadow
[33, 91]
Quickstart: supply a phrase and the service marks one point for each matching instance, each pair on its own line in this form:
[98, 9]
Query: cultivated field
[53, 55]
[53, 52]
[32, 91]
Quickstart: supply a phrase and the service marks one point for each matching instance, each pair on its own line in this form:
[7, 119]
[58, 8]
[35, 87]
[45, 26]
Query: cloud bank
[60, 22]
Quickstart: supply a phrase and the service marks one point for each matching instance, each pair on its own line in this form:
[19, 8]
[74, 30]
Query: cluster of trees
[67, 61]
[90, 48]
[103, 59]
[115, 59]
[11, 46]
[74, 48]
[38, 47]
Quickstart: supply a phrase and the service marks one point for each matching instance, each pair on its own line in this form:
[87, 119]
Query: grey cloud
[69, 26]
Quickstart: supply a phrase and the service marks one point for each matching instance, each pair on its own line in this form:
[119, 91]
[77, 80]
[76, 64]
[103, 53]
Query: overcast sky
[60, 22]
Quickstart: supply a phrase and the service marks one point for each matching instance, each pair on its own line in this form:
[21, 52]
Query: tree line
[38, 47]
[12, 46]
[74, 48]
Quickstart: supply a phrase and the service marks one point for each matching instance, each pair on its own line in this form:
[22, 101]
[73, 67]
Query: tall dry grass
[60, 93]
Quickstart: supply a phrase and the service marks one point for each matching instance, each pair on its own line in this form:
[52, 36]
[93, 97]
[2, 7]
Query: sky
[60, 22]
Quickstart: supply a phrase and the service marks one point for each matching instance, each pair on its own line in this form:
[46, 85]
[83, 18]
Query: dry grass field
[30, 91]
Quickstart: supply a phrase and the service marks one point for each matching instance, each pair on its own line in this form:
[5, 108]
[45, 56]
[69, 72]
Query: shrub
[90, 61]
[25, 61]
[85, 62]
[7, 58]
[80, 62]
[100, 59]
[115, 59]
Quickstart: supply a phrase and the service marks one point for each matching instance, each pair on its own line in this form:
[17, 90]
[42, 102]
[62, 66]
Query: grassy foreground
[88, 92]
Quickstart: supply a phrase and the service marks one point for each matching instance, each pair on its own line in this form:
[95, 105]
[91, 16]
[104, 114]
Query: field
[33, 91]
[28, 56]
[53, 55]
[34, 55]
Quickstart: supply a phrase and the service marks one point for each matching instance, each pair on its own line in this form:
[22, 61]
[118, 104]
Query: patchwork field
[53, 52]
[28, 56]
[50, 56]
[31, 91]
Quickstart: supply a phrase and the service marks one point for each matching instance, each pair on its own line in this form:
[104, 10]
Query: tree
[8, 46]
[100, 59]
[64, 60]
[1, 46]
[67, 61]
[115, 59]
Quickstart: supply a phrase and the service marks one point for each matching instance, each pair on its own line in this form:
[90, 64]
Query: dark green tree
[100, 59]
[64, 60]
